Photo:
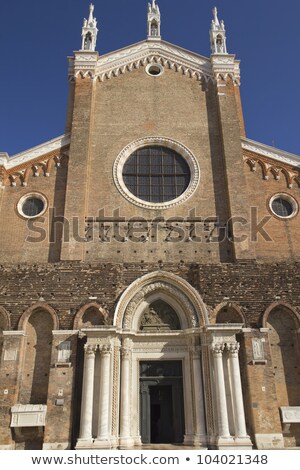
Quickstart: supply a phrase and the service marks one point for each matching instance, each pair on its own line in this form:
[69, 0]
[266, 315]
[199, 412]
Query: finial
[153, 4]
[215, 14]
[91, 18]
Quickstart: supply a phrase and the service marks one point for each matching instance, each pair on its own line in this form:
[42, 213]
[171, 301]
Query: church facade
[150, 282]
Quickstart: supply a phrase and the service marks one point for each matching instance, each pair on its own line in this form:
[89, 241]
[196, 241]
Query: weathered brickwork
[66, 287]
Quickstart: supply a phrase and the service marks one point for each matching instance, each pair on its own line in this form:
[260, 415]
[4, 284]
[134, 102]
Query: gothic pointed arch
[40, 306]
[90, 315]
[283, 305]
[160, 285]
[228, 312]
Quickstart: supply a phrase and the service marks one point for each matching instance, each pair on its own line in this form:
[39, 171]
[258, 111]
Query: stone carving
[217, 349]
[233, 348]
[163, 286]
[64, 351]
[258, 349]
[90, 349]
[159, 316]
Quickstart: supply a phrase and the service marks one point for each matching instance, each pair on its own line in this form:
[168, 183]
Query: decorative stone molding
[178, 287]
[28, 415]
[272, 162]
[162, 286]
[166, 142]
[89, 65]
[35, 152]
[34, 162]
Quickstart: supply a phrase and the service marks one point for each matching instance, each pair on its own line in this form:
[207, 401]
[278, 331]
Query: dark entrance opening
[161, 414]
[161, 402]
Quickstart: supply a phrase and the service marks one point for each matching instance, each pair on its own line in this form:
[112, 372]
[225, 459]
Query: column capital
[217, 349]
[90, 349]
[105, 350]
[233, 348]
[125, 353]
[195, 351]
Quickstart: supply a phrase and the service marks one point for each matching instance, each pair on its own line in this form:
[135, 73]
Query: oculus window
[283, 206]
[156, 174]
[32, 205]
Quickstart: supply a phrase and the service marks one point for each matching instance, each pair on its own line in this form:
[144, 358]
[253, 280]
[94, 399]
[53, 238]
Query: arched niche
[38, 346]
[283, 324]
[91, 315]
[229, 313]
[42, 306]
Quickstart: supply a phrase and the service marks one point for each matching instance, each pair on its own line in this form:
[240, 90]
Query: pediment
[132, 57]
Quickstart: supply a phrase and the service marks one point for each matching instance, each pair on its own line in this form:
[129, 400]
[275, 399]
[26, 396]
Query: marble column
[222, 417]
[236, 390]
[200, 425]
[125, 421]
[86, 418]
[104, 396]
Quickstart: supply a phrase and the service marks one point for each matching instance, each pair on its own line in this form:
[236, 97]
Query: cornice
[33, 162]
[271, 152]
[139, 54]
[35, 152]
[272, 162]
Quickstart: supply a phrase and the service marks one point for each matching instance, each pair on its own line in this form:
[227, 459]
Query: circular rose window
[156, 174]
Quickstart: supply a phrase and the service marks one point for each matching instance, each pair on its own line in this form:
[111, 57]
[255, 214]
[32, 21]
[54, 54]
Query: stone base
[197, 441]
[102, 444]
[56, 446]
[269, 441]
[8, 447]
[126, 442]
[84, 444]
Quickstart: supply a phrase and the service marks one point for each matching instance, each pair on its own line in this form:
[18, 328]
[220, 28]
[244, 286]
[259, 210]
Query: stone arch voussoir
[168, 284]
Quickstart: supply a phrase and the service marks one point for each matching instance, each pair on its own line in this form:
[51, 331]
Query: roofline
[146, 41]
[34, 152]
[271, 152]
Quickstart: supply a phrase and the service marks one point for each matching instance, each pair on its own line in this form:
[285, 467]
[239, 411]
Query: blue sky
[36, 36]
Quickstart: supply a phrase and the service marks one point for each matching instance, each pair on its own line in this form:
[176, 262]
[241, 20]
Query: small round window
[32, 205]
[154, 70]
[156, 174]
[283, 206]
